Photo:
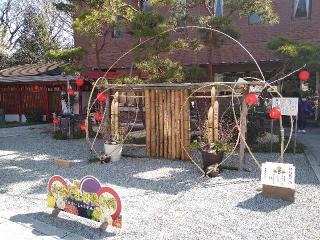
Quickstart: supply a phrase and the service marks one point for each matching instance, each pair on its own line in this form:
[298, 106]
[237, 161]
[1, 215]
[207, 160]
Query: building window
[181, 14]
[254, 19]
[116, 32]
[218, 8]
[145, 5]
[301, 8]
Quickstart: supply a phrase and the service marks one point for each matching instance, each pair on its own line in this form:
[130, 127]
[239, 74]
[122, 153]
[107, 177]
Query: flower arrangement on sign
[85, 198]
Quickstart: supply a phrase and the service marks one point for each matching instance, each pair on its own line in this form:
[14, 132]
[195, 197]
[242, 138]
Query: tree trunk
[98, 57]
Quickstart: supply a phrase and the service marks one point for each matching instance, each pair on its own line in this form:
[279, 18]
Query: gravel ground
[161, 199]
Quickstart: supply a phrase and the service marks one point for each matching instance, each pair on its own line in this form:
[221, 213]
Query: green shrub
[34, 116]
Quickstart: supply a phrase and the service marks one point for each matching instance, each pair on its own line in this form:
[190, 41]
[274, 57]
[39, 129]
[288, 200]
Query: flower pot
[209, 158]
[113, 150]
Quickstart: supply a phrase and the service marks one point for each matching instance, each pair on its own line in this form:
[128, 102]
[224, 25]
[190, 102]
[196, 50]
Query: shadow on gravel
[261, 204]
[44, 223]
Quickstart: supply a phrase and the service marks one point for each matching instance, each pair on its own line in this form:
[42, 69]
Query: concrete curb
[315, 165]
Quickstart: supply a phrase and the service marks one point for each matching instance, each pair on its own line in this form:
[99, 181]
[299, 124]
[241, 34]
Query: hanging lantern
[102, 97]
[71, 92]
[275, 113]
[304, 75]
[83, 127]
[251, 99]
[98, 116]
[36, 88]
[80, 82]
[55, 121]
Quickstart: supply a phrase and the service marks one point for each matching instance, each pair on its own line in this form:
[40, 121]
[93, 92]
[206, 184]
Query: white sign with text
[278, 174]
[288, 106]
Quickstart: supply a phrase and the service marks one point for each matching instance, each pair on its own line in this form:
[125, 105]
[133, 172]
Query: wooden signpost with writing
[278, 181]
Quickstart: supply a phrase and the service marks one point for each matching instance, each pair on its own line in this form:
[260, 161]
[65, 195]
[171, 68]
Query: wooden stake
[243, 132]
[115, 115]
[216, 121]
[165, 125]
[186, 125]
[182, 125]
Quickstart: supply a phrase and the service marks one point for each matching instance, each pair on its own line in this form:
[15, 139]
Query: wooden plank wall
[166, 125]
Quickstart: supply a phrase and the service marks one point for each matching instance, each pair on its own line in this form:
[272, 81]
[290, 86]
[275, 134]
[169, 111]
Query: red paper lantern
[102, 97]
[304, 75]
[98, 116]
[80, 82]
[36, 88]
[251, 99]
[275, 113]
[55, 121]
[71, 92]
[83, 127]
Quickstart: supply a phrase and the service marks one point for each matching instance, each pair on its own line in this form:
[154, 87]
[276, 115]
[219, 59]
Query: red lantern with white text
[102, 97]
[71, 92]
[80, 82]
[251, 99]
[83, 127]
[55, 121]
[304, 75]
[36, 88]
[275, 113]
[98, 116]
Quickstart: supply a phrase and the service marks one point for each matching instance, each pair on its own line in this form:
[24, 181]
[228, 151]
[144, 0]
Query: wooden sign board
[288, 106]
[86, 198]
[278, 180]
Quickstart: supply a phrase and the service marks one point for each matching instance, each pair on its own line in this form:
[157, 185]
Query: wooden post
[282, 140]
[20, 103]
[157, 125]
[243, 132]
[177, 124]
[317, 93]
[210, 133]
[148, 122]
[115, 115]
[47, 103]
[182, 124]
[186, 125]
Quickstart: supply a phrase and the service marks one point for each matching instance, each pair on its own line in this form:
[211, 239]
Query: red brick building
[299, 19]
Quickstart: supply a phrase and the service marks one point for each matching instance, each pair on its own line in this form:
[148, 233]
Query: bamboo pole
[165, 125]
[153, 125]
[169, 124]
[177, 124]
[243, 132]
[173, 123]
[186, 125]
[148, 122]
[282, 140]
[157, 126]
[161, 122]
[182, 124]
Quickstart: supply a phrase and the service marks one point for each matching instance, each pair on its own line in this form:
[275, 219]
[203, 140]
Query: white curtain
[296, 3]
[308, 7]
[220, 6]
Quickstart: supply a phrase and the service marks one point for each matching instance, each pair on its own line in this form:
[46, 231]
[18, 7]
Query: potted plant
[113, 147]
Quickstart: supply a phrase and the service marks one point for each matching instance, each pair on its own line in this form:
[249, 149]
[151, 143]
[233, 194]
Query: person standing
[304, 111]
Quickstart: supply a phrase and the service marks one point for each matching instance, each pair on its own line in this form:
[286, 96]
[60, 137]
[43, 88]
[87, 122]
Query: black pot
[209, 158]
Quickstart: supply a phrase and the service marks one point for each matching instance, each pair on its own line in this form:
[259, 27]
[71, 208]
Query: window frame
[256, 23]
[301, 18]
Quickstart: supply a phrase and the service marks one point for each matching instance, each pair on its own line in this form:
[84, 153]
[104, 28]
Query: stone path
[312, 141]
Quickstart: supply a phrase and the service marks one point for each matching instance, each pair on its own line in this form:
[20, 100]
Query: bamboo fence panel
[165, 125]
